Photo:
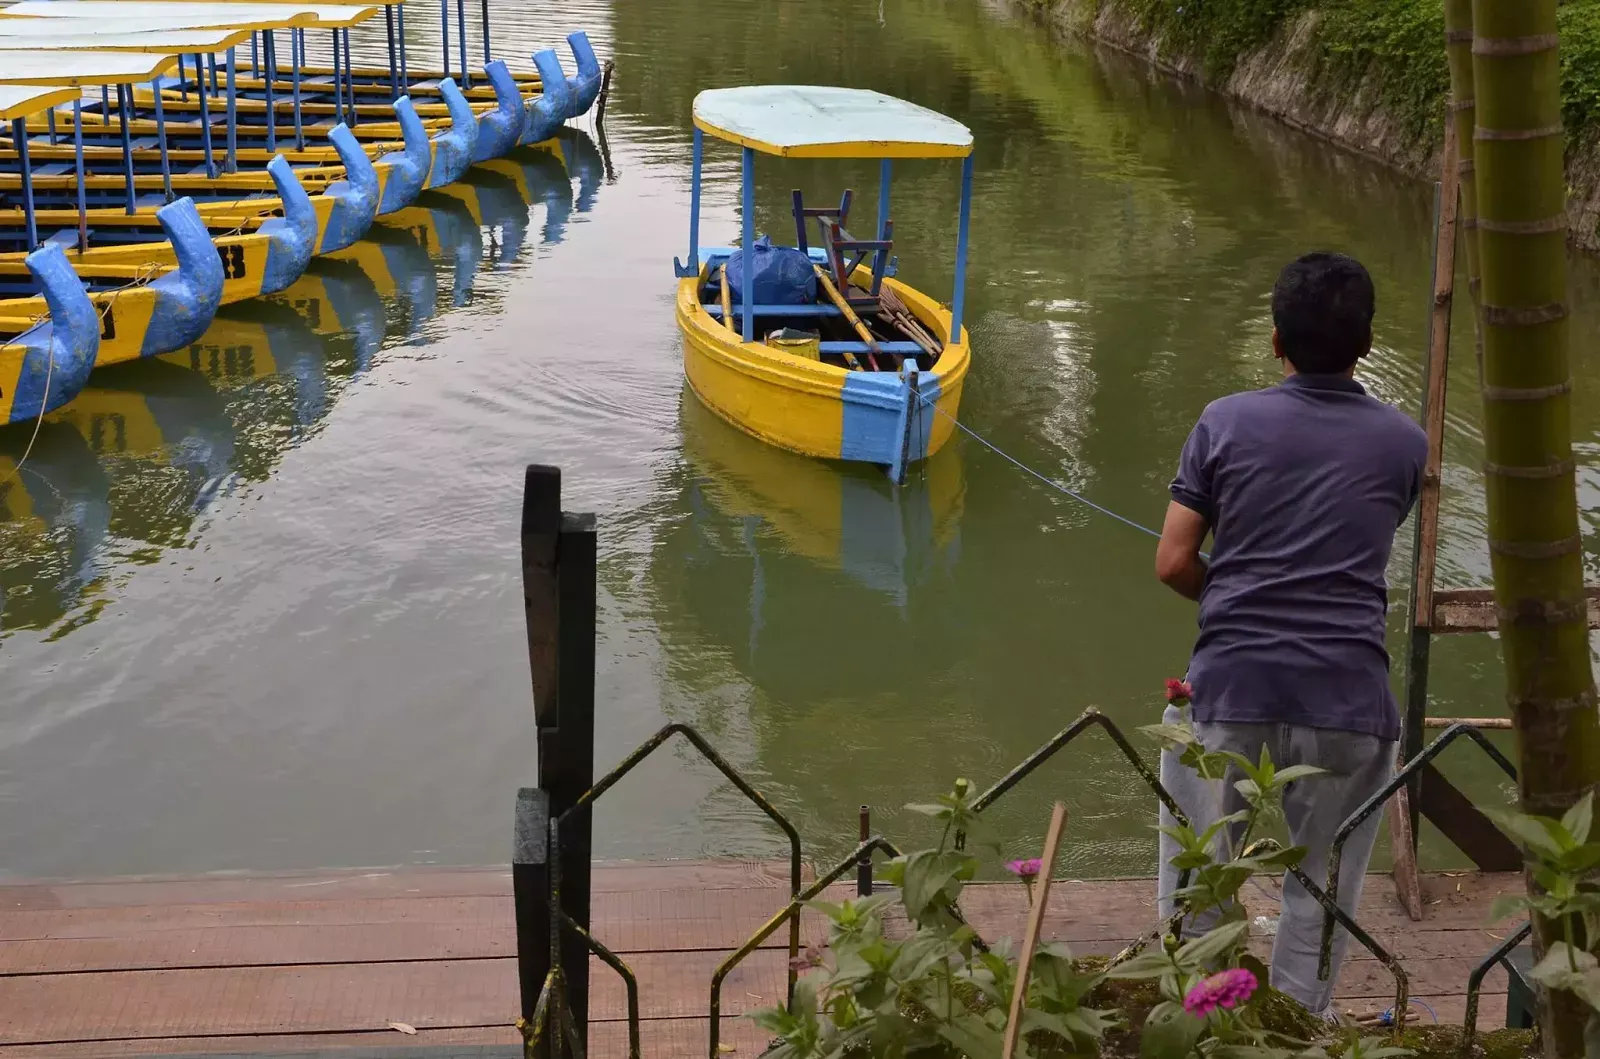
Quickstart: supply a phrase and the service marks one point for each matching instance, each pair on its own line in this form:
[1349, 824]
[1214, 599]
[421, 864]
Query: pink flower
[1178, 692]
[1025, 869]
[1226, 990]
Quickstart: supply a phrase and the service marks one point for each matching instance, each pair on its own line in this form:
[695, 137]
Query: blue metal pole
[394, 75]
[211, 64]
[400, 31]
[487, 58]
[297, 58]
[231, 165]
[694, 202]
[885, 170]
[748, 190]
[50, 124]
[959, 300]
[124, 104]
[255, 55]
[205, 128]
[183, 83]
[350, 72]
[444, 27]
[105, 104]
[461, 42]
[77, 156]
[272, 102]
[19, 136]
[161, 140]
[338, 82]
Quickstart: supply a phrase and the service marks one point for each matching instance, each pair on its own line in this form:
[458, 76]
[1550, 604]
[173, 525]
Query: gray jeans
[1357, 766]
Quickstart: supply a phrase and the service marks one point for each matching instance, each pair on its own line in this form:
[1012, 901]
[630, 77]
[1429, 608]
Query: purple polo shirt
[1304, 485]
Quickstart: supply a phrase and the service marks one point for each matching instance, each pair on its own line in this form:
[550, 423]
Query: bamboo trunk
[1463, 104]
[1534, 542]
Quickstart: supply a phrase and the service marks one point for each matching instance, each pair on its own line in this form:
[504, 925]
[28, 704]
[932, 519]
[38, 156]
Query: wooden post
[558, 577]
[1030, 937]
[530, 888]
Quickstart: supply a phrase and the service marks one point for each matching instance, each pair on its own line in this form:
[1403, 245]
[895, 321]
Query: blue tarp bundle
[783, 275]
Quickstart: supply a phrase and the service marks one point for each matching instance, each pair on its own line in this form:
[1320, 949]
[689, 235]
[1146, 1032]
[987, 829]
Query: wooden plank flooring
[300, 963]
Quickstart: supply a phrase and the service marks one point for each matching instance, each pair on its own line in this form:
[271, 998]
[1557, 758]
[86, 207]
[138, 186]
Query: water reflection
[128, 470]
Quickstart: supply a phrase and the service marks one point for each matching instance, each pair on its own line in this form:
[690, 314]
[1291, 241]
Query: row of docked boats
[197, 179]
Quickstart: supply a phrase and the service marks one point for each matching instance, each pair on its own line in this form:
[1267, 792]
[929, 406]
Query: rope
[1051, 482]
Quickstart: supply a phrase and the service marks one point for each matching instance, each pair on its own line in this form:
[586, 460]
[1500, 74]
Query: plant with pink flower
[1227, 989]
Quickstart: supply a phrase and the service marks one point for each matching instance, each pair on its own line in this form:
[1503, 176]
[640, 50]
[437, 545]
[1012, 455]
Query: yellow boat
[840, 361]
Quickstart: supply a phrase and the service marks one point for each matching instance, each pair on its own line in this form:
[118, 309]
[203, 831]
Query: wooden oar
[727, 300]
[850, 315]
[1030, 939]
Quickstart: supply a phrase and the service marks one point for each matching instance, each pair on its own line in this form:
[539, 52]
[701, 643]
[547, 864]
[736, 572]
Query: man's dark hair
[1322, 306]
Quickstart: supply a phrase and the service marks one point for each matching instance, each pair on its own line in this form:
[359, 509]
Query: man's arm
[1178, 562]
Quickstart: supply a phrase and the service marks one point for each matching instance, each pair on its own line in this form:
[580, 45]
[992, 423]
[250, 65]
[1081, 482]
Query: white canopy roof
[329, 15]
[18, 101]
[809, 121]
[40, 66]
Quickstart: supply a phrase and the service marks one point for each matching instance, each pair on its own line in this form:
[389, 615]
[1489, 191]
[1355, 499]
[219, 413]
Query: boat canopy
[39, 28]
[326, 16]
[170, 42]
[39, 66]
[19, 101]
[812, 121]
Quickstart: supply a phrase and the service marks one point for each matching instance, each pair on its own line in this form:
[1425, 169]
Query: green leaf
[927, 872]
[1202, 951]
[1556, 970]
[1295, 772]
[1169, 1033]
[1150, 964]
[1529, 831]
[1506, 906]
[1579, 818]
[975, 1038]
[934, 811]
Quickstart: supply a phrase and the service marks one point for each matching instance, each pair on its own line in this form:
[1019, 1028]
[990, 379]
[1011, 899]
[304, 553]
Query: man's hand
[1178, 562]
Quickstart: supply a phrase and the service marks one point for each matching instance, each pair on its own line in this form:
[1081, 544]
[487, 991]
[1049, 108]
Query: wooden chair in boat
[837, 242]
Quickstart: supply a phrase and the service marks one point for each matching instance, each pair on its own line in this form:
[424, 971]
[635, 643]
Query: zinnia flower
[1178, 692]
[1027, 870]
[1226, 990]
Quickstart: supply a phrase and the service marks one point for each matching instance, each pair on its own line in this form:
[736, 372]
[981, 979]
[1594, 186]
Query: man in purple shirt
[1301, 487]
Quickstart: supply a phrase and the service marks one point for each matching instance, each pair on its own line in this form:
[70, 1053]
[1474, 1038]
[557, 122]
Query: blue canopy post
[50, 124]
[444, 31]
[255, 55]
[124, 104]
[394, 75]
[297, 59]
[19, 136]
[338, 82]
[747, 179]
[267, 48]
[400, 31]
[231, 163]
[183, 84]
[350, 72]
[693, 267]
[211, 65]
[205, 129]
[885, 174]
[161, 141]
[105, 105]
[77, 161]
[487, 58]
[461, 42]
[958, 300]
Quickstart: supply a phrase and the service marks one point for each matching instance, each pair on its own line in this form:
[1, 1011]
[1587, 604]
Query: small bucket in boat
[807, 344]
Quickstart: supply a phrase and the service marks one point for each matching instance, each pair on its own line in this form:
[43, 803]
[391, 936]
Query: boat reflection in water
[782, 548]
[55, 512]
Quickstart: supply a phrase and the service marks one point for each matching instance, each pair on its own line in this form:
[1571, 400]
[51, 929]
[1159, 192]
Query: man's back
[1304, 485]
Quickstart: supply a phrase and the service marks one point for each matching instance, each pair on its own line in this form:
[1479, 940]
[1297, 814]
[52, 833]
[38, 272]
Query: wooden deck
[301, 963]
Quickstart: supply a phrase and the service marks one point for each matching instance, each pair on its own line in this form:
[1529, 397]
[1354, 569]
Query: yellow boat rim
[325, 16]
[818, 121]
[172, 42]
[49, 28]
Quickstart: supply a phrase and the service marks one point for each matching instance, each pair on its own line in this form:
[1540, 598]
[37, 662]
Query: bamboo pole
[1463, 117]
[849, 314]
[727, 299]
[1030, 939]
[1534, 543]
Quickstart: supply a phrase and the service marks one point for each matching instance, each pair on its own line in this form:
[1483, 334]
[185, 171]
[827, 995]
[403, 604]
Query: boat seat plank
[908, 348]
[778, 310]
[52, 169]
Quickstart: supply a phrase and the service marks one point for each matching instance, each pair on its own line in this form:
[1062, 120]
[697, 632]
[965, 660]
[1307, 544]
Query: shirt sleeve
[1193, 486]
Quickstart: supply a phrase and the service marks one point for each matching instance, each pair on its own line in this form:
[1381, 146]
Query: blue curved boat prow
[408, 168]
[294, 235]
[501, 128]
[585, 85]
[455, 146]
[547, 113]
[355, 197]
[61, 351]
[187, 297]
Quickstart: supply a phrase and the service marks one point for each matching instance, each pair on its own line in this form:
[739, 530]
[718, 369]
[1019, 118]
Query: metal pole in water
[461, 42]
[161, 140]
[748, 182]
[694, 201]
[77, 155]
[444, 26]
[864, 861]
[231, 164]
[297, 58]
[205, 129]
[124, 104]
[394, 76]
[959, 299]
[267, 46]
[19, 136]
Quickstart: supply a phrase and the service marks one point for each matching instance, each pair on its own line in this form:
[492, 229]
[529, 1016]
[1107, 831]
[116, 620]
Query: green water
[261, 598]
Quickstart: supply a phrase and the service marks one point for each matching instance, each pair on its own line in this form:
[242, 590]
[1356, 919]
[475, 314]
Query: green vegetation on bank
[1398, 42]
